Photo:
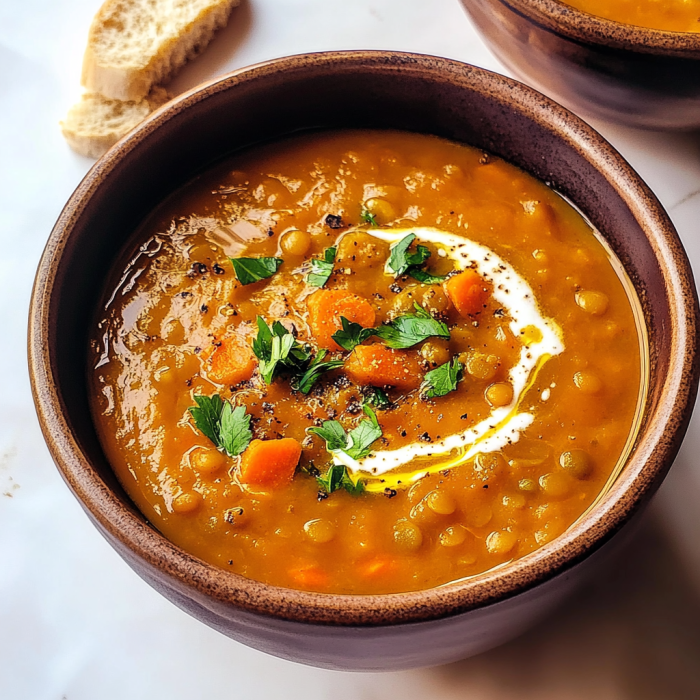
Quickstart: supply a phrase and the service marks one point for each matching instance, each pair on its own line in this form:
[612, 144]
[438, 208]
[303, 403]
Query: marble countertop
[77, 624]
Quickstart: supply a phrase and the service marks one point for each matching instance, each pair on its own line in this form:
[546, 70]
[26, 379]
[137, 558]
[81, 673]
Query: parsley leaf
[277, 349]
[362, 437]
[352, 334]
[279, 352]
[404, 263]
[227, 427]
[207, 416]
[336, 478]
[262, 344]
[249, 270]
[410, 329]
[401, 260]
[358, 443]
[314, 371]
[333, 433]
[321, 270]
[443, 379]
[377, 398]
[369, 218]
[235, 429]
[425, 277]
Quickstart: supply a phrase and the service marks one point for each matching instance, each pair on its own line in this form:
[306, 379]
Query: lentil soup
[666, 15]
[366, 362]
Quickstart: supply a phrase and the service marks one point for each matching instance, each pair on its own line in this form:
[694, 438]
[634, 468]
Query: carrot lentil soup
[668, 15]
[366, 362]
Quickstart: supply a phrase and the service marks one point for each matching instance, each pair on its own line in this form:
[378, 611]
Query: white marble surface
[76, 623]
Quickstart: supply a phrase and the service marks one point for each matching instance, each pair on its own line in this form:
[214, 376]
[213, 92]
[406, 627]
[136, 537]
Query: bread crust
[129, 78]
[95, 123]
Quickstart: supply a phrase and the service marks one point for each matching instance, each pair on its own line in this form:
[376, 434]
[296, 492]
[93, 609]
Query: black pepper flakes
[217, 269]
[334, 221]
[341, 382]
[321, 496]
[390, 493]
[395, 288]
[425, 437]
[204, 308]
[354, 407]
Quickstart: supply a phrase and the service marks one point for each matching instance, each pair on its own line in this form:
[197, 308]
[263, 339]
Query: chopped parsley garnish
[357, 443]
[277, 349]
[410, 329]
[402, 262]
[426, 277]
[369, 218]
[352, 334]
[305, 382]
[403, 332]
[321, 269]
[227, 427]
[337, 478]
[333, 433]
[249, 270]
[442, 380]
[400, 259]
[377, 397]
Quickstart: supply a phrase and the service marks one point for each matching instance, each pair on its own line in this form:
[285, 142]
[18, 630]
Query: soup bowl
[378, 90]
[623, 73]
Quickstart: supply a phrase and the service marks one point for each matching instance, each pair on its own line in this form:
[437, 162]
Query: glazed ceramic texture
[377, 90]
[631, 75]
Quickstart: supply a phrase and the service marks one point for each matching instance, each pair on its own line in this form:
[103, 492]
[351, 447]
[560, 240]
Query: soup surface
[365, 362]
[668, 15]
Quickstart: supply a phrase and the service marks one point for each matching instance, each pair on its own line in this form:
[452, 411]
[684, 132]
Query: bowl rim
[560, 18]
[654, 451]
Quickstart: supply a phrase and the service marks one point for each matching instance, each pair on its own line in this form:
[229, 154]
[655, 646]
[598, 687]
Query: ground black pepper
[334, 221]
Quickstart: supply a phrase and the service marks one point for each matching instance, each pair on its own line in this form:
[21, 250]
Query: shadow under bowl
[375, 90]
[599, 68]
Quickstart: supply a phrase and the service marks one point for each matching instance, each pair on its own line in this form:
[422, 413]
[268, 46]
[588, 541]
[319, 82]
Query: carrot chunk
[378, 365]
[270, 462]
[377, 567]
[468, 292]
[232, 362]
[326, 306]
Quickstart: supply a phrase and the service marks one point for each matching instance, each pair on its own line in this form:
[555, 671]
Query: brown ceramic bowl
[358, 89]
[632, 75]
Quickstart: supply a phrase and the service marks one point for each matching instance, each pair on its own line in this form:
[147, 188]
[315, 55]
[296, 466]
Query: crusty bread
[135, 44]
[95, 122]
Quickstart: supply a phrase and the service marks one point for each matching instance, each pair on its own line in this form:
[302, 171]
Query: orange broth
[178, 324]
[667, 15]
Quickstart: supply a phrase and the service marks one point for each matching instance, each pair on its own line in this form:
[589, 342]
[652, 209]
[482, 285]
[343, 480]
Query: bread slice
[95, 122]
[135, 44]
